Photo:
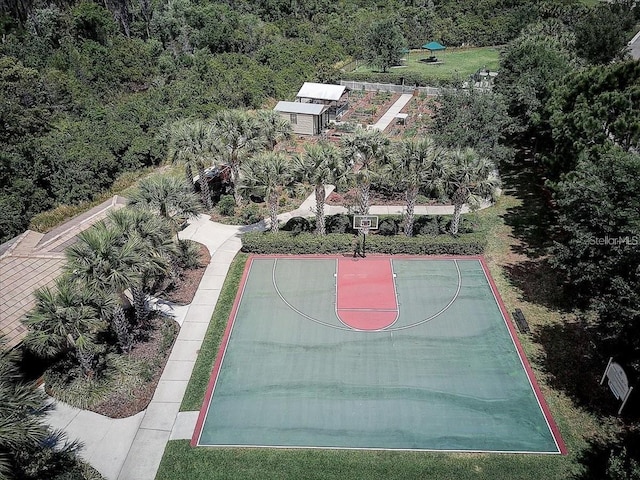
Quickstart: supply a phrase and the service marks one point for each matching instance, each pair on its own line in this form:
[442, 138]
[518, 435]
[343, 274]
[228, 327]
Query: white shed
[334, 96]
[305, 118]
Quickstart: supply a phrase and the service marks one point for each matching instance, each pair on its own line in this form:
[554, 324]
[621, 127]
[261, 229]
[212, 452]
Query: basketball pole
[364, 243]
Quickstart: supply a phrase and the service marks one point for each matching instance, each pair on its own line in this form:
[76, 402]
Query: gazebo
[433, 47]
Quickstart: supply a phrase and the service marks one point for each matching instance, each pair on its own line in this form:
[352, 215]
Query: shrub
[227, 205]
[188, 255]
[297, 225]
[339, 223]
[425, 225]
[288, 243]
[464, 227]
[250, 214]
[409, 78]
[307, 243]
[387, 227]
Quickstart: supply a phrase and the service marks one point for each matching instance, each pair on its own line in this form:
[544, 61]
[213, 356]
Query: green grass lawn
[460, 62]
[577, 426]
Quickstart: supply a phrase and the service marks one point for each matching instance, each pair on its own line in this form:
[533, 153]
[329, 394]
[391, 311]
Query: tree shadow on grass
[611, 459]
[574, 365]
[539, 283]
[533, 222]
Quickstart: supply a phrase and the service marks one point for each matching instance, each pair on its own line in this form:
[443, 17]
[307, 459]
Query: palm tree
[65, 320]
[21, 410]
[321, 164]
[157, 252]
[268, 175]
[273, 128]
[28, 449]
[237, 137]
[417, 164]
[192, 145]
[167, 197]
[469, 178]
[368, 152]
[106, 262]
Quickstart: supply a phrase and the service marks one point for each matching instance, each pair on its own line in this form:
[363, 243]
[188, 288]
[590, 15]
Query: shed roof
[321, 91]
[302, 108]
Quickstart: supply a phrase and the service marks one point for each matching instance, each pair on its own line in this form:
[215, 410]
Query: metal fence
[389, 87]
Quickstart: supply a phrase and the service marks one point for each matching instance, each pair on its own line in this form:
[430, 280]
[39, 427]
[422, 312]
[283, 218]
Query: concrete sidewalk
[132, 448]
[394, 110]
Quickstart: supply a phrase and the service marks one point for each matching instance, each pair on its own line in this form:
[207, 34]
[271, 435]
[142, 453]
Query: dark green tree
[468, 179]
[473, 118]
[268, 175]
[418, 166]
[593, 107]
[367, 151]
[384, 44]
[158, 252]
[598, 250]
[104, 262]
[66, 321]
[168, 197]
[238, 136]
[192, 144]
[602, 34]
[529, 67]
[28, 449]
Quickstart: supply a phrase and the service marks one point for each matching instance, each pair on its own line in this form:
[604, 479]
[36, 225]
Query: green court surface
[446, 375]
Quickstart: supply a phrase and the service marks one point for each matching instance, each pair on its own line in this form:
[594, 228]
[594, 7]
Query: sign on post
[618, 382]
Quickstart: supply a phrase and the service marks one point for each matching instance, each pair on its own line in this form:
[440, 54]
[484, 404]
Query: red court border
[224, 342]
[555, 431]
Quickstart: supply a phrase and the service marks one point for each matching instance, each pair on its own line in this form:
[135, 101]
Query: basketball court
[397, 353]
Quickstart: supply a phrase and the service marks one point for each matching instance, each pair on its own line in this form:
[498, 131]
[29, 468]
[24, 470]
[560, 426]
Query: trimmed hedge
[308, 243]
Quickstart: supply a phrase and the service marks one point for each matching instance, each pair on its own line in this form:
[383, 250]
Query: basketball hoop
[364, 224]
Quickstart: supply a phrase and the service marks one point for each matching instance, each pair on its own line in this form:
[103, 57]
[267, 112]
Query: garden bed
[131, 379]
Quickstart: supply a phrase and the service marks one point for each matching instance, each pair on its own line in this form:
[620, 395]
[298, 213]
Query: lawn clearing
[452, 62]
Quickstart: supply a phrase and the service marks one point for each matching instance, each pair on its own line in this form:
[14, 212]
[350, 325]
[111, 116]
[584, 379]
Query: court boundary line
[380, 449]
[437, 314]
[222, 350]
[335, 295]
[524, 361]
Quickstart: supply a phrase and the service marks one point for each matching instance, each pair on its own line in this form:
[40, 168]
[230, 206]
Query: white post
[606, 370]
[626, 397]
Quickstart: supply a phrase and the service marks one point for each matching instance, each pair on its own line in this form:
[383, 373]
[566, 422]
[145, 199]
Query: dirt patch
[154, 353]
[187, 285]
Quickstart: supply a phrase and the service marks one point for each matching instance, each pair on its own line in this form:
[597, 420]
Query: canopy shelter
[433, 47]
